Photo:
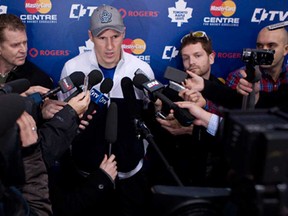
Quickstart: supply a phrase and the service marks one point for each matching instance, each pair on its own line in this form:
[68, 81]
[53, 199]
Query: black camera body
[256, 144]
[258, 56]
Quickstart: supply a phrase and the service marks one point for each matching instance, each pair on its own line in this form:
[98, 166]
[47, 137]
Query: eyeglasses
[196, 34]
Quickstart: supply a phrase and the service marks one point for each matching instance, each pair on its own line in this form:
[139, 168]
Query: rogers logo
[41, 6]
[138, 13]
[33, 52]
[136, 46]
[226, 8]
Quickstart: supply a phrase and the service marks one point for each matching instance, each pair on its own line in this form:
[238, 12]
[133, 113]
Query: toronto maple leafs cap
[106, 17]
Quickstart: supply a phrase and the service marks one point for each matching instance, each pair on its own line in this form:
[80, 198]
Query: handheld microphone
[16, 86]
[154, 87]
[98, 98]
[94, 77]
[111, 125]
[66, 84]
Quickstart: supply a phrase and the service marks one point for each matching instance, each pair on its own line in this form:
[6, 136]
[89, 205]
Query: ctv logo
[260, 14]
[94, 93]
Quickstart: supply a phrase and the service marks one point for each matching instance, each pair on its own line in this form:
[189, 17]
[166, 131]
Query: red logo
[41, 6]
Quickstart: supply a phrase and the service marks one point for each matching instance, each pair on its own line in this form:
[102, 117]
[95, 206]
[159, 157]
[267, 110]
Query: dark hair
[206, 42]
[10, 22]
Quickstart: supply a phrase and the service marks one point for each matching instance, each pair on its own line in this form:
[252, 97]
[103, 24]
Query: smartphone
[176, 86]
[175, 74]
[85, 84]
[160, 115]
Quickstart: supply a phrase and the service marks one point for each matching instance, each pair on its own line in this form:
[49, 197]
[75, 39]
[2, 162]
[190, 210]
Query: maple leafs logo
[3, 9]
[88, 47]
[180, 14]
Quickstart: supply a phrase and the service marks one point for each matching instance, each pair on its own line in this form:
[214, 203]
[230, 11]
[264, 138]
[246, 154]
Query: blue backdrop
[58, 29]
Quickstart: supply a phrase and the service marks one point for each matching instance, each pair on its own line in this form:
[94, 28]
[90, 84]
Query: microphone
[66, 84]
[94, 77]
[15, 86]
[141, 128]
[129, 97]
[278, 25]
[98, 98]
[111, 125]
[131, 102]
[154, 87]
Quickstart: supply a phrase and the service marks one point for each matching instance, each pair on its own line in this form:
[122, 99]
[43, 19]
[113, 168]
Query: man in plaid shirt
[272, 75]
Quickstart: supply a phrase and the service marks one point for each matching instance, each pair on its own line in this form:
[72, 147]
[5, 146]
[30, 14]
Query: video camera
[258, 56]
[256, 144]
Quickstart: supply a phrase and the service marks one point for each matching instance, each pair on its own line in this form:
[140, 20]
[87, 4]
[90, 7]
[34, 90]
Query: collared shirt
[213, 124]
[267, 84]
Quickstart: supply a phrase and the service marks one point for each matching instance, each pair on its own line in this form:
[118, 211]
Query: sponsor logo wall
[57, 29]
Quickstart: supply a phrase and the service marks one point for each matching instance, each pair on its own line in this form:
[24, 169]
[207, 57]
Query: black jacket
[31, 72]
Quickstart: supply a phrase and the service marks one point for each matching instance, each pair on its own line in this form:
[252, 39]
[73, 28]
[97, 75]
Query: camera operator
[272, 75]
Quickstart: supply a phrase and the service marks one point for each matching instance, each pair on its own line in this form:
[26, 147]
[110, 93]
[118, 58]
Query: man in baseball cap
[132, 195]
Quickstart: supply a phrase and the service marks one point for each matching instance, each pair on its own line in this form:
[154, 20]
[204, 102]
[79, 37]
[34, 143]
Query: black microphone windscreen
[17, 86]
[106, 85]
[95, 77]
[129, 96]
[12, 106]
[77, 78]
[111, 123]
[139, 80]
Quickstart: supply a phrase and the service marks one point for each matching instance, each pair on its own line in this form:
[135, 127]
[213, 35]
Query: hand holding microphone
[93, 78]
[66, 84]
[98, 98]
[109, 165]
[80, 102]
[154, 88]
